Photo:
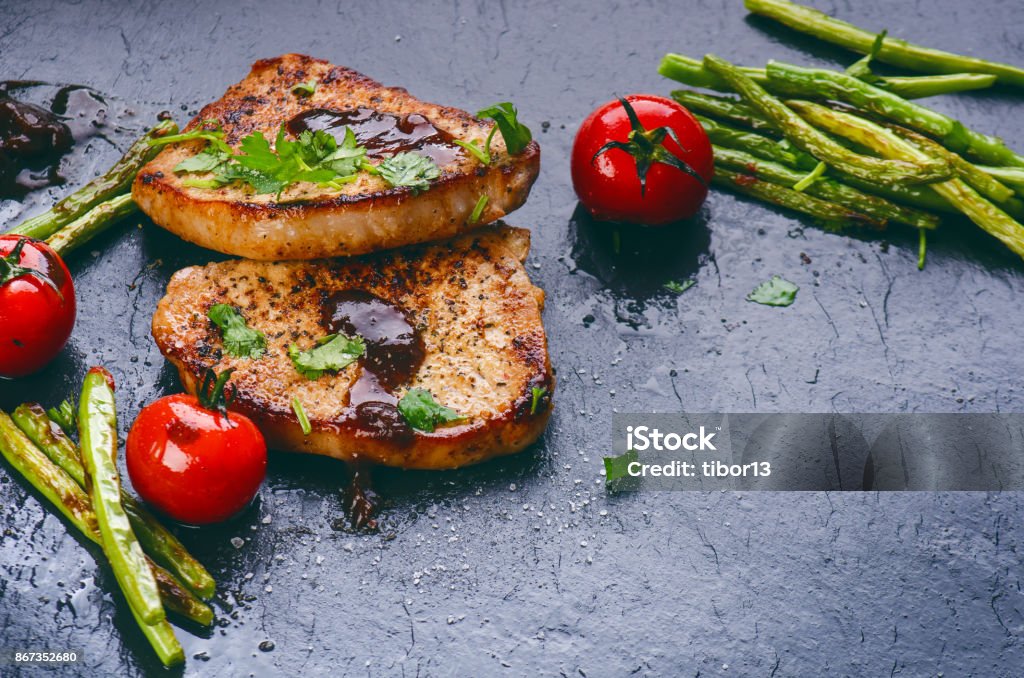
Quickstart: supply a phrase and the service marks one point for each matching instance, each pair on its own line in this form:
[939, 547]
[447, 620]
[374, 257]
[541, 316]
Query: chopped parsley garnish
[304, 89]
[679, 287]
[423, 413]
[775, 292]
[240, 340]
[315, 157]
[208, 130]
[65, 415]
[515, 134]
[538, 393]
[411, 170]
[479, 209]
[332, 353]
[300, 413]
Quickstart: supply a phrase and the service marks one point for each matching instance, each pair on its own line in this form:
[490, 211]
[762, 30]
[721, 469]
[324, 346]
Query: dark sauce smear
[32, 139]
[382, 134]
[394, 352]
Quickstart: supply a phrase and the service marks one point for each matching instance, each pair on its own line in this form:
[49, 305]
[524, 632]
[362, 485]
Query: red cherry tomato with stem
[37, 305]
[192, 459]
[643, 160]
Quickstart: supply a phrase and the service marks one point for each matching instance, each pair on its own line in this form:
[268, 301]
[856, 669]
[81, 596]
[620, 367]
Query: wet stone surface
[524, 566]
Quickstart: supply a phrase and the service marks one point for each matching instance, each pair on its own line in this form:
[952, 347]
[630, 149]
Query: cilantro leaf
[617, 477]
[679, 287]
[412, 170]
[515, 134]
[208, 130]
[775, 292]
[304, 89]
[207, 161]
[538, 393]
[240, 340]
[423, 413]
[332, 353]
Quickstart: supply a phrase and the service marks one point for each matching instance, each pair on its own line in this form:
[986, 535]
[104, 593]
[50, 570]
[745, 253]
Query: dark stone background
[524, 566]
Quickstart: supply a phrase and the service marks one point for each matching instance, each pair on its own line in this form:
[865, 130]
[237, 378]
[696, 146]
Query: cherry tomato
[193, 460]
[37, 305]
[643, 160]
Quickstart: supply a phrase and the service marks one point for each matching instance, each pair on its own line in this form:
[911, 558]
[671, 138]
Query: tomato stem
[11, 268]
[648, 147]
[215, 399]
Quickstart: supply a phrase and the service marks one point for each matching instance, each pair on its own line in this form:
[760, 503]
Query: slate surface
[524, 566]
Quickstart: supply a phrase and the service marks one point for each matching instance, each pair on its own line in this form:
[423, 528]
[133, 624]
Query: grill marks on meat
[474, 309]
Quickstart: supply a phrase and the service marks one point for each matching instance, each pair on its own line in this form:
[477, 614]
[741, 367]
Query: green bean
[892, 50]
[818, 83]
[883, 141]
[156, 540]
[116, 181]
[831, 214]
[51, 482]
[97, 424]
[826, 188]
[819, 145]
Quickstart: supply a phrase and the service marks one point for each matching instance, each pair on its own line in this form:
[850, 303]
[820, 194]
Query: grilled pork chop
[480, 347]
[310, 222]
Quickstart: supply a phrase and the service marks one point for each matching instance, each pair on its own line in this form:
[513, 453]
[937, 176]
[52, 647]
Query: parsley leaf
[538, 394]
[207, 161]
[515, 134]
[304, 89]
[423, 413]
[775, 292]
[240, 340]
[617, 477]
[412, 170]
[679, 287]
[208, 130]
[332, 353]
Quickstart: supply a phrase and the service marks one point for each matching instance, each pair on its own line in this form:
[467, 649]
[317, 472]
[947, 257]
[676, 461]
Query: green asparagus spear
[886, 143]
[97, 423]
[51, 482]
[721, 134]
[917, 196]
[161, 637]
[818, 83]
[892, 51]
[833, 216]
[826, 188]
[57, 485]
[820, 146]
[918, 87]
[1011, 176]
[178, 599]
[692, 72]
[156, 540]
[94, 222]
[990, 187]
[115, 182]
[725, 108]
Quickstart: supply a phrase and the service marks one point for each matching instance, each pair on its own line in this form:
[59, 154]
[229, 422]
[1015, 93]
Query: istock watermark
[851, 452]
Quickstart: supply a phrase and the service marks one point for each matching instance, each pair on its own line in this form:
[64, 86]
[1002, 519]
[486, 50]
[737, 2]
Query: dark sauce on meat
[31, 140]
[382, 134]
[394, 352]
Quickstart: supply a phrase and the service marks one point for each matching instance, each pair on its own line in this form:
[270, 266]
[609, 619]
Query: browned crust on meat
[478, 314]
[309, 222]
